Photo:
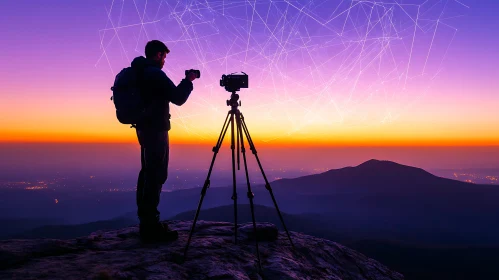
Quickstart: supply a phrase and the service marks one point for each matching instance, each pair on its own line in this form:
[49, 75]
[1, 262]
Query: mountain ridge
[387, 175]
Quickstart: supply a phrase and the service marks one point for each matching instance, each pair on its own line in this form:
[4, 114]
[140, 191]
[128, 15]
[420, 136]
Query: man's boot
[156, 232]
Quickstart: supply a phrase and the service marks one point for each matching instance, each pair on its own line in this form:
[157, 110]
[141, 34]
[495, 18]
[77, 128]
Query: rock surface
[212, 254]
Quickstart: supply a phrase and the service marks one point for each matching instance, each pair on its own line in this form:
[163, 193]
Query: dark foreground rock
[212, 254]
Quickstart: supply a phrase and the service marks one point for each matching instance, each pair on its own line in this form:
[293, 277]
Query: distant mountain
[374, 176]
[397, 201]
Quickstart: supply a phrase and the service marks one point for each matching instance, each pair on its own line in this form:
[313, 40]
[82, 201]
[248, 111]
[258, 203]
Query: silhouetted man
[157, 92]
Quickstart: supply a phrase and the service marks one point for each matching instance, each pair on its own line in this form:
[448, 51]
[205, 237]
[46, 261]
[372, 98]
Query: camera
[198, 73]
[234, 82]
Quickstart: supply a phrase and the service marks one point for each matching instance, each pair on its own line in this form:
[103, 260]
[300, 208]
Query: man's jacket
[158, 91]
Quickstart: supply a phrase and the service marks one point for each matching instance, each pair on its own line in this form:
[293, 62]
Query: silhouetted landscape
[421, 225]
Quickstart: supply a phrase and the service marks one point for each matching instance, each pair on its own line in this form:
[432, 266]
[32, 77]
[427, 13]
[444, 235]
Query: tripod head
[233, 101]
[232, 83]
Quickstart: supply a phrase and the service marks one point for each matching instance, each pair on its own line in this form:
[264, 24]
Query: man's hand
[191, 76]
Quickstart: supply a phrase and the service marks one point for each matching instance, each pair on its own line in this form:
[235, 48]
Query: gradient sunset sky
[337, 73]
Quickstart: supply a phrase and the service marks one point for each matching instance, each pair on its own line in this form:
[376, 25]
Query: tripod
[241, 127]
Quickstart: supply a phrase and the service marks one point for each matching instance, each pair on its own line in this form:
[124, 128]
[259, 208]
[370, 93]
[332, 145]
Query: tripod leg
[267, 184]
[251, 195]
[234, 193]
[207, 181]
[237, 143]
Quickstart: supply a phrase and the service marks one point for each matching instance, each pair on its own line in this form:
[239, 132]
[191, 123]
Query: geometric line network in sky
[310, 63]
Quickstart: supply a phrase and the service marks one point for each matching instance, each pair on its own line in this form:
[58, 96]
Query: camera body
[234, 82]
[197, 72]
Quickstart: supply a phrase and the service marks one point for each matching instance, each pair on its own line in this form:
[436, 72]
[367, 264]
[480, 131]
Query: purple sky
[54, 84]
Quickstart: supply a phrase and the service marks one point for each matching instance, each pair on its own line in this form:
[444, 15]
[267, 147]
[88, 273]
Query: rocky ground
[212, 254]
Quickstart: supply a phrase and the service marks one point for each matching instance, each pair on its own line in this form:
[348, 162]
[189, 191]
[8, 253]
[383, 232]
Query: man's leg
[155, 155]
[140, 181]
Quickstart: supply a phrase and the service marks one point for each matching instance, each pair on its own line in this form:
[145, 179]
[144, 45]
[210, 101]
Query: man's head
[156, 51]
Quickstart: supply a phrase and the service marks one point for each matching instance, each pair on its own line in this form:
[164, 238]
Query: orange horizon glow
[302, 143]
[441, 122]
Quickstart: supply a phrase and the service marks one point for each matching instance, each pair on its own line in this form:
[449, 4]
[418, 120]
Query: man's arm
[176, 94]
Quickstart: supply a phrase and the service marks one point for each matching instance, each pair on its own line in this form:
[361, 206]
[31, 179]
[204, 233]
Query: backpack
[127, 98]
